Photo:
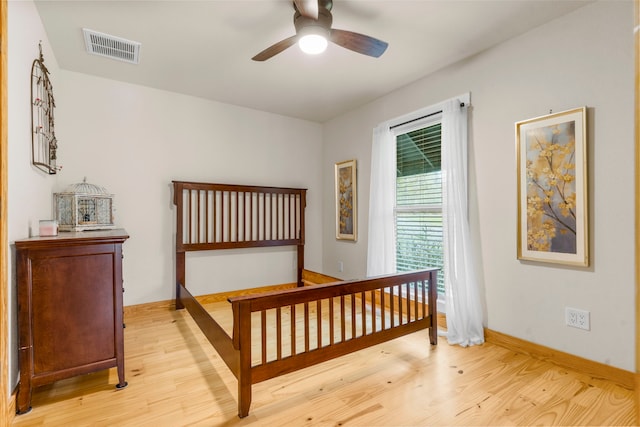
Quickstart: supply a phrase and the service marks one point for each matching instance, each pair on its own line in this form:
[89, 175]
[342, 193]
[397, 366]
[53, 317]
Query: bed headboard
[222, 216]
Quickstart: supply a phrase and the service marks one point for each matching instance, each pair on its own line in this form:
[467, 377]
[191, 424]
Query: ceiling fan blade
[308, 8]
[359, 42]
[276, 48]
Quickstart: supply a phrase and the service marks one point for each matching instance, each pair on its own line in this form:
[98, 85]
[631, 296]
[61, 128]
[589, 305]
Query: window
[409, 193]
[418, 209]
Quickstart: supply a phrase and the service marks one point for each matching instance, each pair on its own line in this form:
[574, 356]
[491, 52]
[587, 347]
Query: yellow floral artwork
[345, 191]
[552, 188]
[346, 200]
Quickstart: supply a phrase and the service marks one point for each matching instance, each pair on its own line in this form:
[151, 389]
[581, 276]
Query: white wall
[29, 193]
[135, 140]
[584, 58]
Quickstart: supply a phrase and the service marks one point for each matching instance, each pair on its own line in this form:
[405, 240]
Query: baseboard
[133, 310]
[207, 299]
[619, 376]
[315, 278]
[137, 309]
[309, 277]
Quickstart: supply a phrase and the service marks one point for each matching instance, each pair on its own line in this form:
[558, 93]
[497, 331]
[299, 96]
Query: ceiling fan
[312, 20]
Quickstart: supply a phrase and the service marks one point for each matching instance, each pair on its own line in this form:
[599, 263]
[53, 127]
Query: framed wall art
[346, 201]
[552, 188]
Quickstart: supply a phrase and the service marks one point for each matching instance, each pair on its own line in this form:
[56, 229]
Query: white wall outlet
[577, 318]
[340, 266]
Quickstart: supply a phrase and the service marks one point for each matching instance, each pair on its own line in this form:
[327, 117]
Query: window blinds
[419, 200]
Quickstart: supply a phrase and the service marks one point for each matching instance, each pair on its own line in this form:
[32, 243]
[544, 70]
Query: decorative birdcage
[84, 206]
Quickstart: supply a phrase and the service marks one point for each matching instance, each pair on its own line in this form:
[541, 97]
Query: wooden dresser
[69, 308]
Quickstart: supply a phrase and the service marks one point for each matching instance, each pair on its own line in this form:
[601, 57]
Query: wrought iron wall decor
[43, 137]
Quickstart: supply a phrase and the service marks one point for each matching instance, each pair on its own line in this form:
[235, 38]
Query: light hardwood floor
[176, 379]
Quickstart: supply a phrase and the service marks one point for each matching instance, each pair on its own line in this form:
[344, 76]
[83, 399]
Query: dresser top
[117, 235]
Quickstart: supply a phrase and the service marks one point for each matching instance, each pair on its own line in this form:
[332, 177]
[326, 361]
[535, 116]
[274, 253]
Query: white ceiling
[204, 48]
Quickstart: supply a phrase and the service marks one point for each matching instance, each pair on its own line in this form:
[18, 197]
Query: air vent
[111, 46]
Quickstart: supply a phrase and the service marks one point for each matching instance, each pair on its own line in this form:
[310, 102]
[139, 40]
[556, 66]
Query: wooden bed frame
[347, 316]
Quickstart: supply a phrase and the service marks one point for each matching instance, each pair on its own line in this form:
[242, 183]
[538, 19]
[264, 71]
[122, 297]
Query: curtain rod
[420, 118]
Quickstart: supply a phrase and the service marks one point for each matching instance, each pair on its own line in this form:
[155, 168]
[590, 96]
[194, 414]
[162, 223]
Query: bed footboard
[301, 327]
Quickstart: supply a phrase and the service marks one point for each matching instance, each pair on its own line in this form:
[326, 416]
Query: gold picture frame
[346, 201]
[553, 221]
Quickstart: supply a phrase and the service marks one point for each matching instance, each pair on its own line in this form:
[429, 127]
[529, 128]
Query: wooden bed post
[180, 254]
[303, 205]
[300, 264]
[242, 327]
[180, 275]
[433, 307]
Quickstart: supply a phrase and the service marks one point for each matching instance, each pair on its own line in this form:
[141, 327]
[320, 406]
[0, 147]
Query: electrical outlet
[340, 266]
[577, 318]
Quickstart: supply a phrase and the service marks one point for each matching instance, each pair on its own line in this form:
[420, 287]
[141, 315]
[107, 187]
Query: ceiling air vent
[111, 46]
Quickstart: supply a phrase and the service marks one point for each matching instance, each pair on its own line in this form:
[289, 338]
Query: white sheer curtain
[381, 254]
[462, 300]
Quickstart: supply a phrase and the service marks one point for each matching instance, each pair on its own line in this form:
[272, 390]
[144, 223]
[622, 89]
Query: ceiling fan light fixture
[313, 44]
[314, 32]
